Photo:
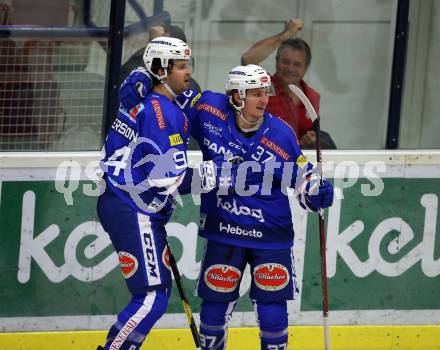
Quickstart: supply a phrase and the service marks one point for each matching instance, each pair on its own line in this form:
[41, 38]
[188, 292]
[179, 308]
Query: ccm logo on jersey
[150, 255]
[129, 264]
[175, 139]
[240, 210]
[271, 276]
[222, 278]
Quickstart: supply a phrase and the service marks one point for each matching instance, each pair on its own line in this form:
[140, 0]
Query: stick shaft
[315, 119]
[185, 303]
[322, 242]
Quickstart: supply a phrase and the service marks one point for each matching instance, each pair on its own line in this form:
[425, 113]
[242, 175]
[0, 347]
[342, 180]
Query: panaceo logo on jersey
[175, 139]
[271, 276]
[222, 278]
[217, 149]
[236, 230]
[129, 264]
[239, 210]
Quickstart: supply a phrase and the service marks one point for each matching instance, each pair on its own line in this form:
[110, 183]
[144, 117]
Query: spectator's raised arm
[263, 48]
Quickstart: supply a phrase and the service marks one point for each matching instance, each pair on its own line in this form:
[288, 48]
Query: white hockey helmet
[242, 78]
[165, 49]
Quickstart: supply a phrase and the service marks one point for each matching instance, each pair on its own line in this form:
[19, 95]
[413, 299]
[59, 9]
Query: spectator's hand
[323, 197]
[292, 27]
[308, 140]
[134, 88]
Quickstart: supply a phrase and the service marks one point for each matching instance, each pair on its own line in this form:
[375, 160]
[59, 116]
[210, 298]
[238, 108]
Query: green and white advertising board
[59, 271]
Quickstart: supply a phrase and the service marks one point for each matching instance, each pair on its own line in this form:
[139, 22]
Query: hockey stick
[185, 303]
[315, 119]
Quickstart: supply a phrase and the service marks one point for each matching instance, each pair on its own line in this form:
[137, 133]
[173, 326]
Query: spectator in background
[293, 58]
[136, 60]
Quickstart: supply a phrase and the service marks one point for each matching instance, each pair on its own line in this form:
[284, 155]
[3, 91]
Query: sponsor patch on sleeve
[175, 139]
[274, 147]
[301, 161]
[213, 110]
[159, 114]
[195, 99]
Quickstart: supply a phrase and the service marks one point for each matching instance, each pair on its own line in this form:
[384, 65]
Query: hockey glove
[219, 172]
[320, 197]
[208, 175]
[134, 88]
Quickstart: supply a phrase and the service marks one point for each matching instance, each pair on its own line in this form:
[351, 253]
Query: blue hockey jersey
[145, 155]
[261, 217]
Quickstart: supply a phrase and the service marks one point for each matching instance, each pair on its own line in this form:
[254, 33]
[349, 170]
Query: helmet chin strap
[164, 83]
[169, 89]
[238, 111]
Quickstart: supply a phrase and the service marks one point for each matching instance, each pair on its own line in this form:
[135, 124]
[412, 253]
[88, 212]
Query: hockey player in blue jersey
[144, 162]
[251, 224]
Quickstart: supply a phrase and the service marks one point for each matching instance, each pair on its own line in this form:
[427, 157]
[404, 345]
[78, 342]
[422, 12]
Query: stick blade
[311, 113]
